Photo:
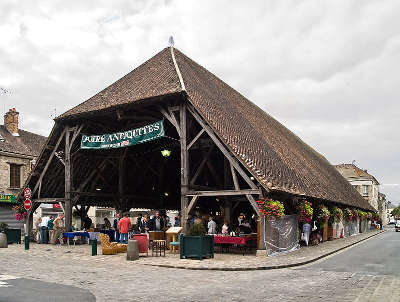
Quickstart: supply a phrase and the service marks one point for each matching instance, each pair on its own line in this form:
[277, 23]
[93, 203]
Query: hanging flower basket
[348, 214]
[305, 211]
[20, 212]
[271, 208]
[323, 214]
[337, 214]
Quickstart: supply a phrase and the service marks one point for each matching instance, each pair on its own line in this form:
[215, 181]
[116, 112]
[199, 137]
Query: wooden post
[68, 182]
[121, 179]
[184, 168]
[261, 229]
[227, 183]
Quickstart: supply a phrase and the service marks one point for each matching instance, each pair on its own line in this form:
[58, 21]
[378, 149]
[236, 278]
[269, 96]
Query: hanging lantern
[166, 153]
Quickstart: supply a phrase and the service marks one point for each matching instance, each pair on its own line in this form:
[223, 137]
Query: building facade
[367, 185]
[18, 151]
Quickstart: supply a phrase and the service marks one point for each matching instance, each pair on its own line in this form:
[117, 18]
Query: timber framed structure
[225, 150]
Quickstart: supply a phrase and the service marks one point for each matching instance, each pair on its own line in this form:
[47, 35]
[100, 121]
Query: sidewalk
[224, 262]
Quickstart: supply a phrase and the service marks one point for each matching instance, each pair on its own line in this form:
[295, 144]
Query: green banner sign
[124, 138]
[7, 198]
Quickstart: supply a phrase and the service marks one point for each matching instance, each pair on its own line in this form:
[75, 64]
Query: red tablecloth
[232, 240]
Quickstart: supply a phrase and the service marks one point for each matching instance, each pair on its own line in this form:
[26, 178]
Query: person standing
[225, 228]
[124, 225]
[139, 222]
[212, 226]
[50, 225]
[44, 230]
[107, 223]
[87, 222]
[157, 223]
[115, 226]
[58, 229]
[38, 222]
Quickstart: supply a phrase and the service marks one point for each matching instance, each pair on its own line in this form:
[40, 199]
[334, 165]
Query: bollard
[94, 247]
[26, 242]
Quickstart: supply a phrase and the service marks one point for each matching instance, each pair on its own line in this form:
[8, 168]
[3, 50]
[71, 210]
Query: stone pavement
[112, 278]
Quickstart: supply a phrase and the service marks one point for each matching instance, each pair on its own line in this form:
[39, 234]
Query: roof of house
[351, 171]
[27, 143]
[276, 157]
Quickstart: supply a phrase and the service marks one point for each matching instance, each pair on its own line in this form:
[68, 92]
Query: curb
[264, 268]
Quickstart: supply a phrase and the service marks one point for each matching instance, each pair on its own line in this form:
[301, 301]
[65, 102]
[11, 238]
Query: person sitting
[177, 222]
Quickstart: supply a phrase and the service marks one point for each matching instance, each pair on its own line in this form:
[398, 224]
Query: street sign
[27, 204]
[27, 193]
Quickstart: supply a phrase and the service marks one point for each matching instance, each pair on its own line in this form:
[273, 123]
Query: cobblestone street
[112, 278]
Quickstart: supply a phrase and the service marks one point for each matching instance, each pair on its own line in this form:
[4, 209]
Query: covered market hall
[171, 135]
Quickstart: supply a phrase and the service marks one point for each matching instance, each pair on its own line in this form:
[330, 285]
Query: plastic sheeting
[338, 230]
[281, 235]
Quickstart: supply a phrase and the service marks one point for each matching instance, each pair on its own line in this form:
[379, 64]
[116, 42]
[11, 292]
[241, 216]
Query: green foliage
[323, 214]
[3, 226]
[197, 230]
[337, 213]
[271, 208]
[396, 212]
[305, 211]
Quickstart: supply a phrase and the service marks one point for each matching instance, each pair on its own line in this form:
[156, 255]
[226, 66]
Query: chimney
[11, 121]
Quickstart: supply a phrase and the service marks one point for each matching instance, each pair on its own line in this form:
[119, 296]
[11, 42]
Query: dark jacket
[87, 223]
[152, 224]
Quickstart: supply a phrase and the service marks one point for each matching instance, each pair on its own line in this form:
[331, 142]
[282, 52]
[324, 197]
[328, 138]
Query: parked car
[397, 226]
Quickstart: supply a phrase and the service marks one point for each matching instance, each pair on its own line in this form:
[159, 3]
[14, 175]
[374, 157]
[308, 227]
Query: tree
[396, 212]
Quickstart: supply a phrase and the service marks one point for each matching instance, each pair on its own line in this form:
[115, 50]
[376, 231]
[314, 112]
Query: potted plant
[197, 244]
[323, 217]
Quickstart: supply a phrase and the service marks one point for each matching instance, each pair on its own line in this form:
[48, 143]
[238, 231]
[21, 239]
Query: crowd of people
[49, 229]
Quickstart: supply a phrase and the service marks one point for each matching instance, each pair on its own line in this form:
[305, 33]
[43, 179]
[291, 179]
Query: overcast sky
[327, 70]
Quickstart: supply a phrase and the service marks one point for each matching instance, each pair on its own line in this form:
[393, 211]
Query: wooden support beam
[121, 178]
[184, 167]
[253, 203]
[223, 192]
[201, 166]
[68, 181]
[48, 200]
[195, 138]
[192, 203]
[77, 131]
[234, 177]
[225, 151]
[171, 119]
[48, 162]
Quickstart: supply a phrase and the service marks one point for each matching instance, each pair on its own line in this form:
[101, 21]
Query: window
[365, 190]
[15, 176]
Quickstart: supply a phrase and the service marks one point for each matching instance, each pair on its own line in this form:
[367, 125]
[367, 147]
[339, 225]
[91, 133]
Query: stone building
[18, 151]
[362, 181]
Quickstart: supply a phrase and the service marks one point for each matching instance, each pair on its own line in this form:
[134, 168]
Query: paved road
[114, 279]
[14, 289]
[378, 256]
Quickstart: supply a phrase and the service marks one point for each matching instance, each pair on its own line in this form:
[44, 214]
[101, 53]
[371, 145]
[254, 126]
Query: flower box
[196, 246]
[13, 235]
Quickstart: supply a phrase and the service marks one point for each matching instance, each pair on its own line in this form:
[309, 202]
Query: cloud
[328, 70]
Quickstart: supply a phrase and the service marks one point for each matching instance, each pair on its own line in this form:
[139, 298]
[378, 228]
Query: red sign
[56, 206]
[27, 193]
[27, 204]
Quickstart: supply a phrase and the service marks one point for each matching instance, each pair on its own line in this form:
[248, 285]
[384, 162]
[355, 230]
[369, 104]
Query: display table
[72, 235]
[228, 241]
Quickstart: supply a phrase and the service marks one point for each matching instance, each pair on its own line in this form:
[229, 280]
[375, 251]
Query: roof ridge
[177, 69]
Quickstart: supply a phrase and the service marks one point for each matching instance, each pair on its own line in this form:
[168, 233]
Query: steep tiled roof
[155, 77]
[273, 154]
[27, 143]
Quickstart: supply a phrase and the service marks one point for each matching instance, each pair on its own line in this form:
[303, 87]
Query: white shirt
[45, 221]
[212, 227]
